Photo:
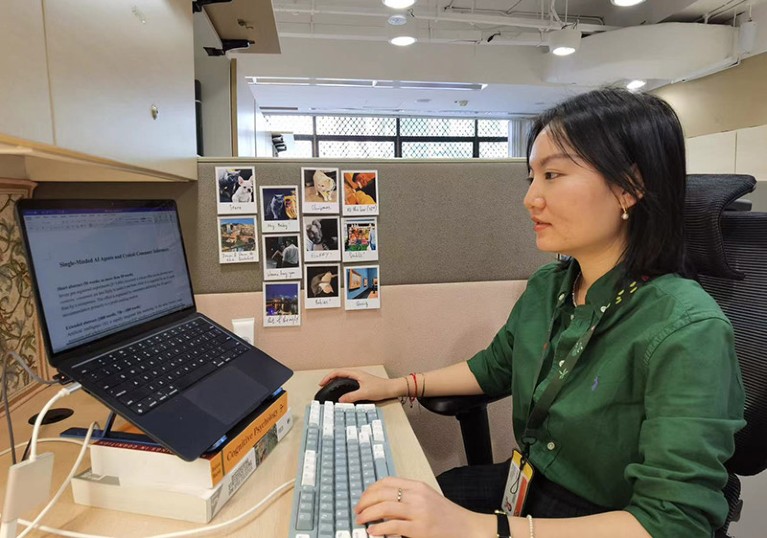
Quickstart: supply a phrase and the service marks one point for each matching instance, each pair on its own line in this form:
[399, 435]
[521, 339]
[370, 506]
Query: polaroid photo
[320, 190]
[363, 287]
[237, 239]
[360, 192]
[360, 239]
[322, 286]
[282, 304]
[321, 239]
[279, 209]
[236, 190]
[282, 257]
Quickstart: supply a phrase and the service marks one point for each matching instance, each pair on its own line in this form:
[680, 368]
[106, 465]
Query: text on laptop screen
[101, 271]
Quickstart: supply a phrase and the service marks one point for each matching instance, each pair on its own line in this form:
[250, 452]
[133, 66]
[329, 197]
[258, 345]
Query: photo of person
[282, 257]
[281, 304]
[360, 240]
[237, 240]
[320, 190]
[279, 206]
[362, 288]
[321, 239]
[360, 192]
[322, 286]
[235, 190]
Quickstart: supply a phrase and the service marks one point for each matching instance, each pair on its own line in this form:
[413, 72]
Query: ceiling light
[635, 84]
[397, 20]
[565, 41]
[402, 41]
[624, 3]
[398, 4]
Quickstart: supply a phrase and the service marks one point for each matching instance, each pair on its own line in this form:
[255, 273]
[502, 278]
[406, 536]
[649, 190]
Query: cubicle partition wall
[455, 249]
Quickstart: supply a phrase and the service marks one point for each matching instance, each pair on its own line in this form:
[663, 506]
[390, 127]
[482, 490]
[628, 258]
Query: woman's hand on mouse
[372, 387]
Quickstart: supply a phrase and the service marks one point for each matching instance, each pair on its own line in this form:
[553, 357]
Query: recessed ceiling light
[402, 41]
[398, 4]
[625, 3]
[635, 84]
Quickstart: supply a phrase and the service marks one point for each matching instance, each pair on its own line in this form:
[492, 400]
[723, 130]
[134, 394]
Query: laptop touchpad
[227, 394]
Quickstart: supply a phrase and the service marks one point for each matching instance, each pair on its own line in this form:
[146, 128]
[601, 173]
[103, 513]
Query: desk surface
[280, 466]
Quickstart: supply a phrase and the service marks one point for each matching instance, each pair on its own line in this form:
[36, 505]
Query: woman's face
[575, 211]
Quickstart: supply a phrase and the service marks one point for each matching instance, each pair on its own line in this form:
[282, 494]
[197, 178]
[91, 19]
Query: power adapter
[28, 485]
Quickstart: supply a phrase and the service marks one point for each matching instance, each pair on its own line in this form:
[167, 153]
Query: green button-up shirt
[645, 420]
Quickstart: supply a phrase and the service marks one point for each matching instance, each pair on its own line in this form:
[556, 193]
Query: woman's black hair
[636, 142]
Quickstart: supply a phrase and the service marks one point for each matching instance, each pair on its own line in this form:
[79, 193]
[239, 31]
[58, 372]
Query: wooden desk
[280, 466]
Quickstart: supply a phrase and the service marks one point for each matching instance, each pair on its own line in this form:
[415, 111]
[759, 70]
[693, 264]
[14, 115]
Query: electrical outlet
[245, 329]
[28, 486]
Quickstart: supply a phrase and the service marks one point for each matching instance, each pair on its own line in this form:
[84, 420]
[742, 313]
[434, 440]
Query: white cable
[209, 528]
[72, 534]
[64, 484]
[66, 391]
[45, 440]
[62, 532]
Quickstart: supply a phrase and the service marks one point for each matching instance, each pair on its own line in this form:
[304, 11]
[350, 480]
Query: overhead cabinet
[118, 81]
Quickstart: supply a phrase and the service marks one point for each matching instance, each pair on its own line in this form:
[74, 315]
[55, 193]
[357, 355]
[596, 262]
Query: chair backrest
[729, 251]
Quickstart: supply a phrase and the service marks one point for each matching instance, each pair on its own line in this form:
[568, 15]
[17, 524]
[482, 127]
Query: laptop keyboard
[149, 372]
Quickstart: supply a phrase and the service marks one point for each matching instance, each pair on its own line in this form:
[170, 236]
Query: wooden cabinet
[117, 85]
[25, 107]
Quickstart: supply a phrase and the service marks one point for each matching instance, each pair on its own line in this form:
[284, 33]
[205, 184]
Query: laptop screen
[100, 270]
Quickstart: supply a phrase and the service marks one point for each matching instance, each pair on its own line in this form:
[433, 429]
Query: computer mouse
[335, 388]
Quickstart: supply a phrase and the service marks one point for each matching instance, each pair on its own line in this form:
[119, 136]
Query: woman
[646, 390]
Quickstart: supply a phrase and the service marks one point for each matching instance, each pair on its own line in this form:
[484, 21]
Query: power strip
[29, 485]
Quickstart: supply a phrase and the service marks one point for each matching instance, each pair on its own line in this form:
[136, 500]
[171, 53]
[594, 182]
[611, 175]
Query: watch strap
[503, 530]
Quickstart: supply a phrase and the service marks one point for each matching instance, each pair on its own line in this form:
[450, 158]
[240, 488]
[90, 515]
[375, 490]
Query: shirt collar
[601, 293]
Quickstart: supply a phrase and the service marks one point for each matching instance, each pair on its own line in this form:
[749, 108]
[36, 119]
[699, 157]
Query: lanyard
[541, 409]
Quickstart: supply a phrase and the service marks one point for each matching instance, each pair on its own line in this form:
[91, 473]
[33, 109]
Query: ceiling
[335, 57]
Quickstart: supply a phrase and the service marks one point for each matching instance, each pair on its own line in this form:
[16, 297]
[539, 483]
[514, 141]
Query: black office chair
[727, 247]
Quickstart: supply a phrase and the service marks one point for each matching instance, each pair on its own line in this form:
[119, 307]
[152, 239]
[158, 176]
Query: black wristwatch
[503, 530]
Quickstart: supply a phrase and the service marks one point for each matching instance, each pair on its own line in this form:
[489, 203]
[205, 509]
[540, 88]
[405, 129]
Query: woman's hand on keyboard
[397, 506]
[372, 387]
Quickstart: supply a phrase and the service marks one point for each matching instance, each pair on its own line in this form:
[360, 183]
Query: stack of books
[143, 477]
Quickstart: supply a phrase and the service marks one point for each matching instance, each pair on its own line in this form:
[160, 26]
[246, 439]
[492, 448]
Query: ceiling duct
[687, 51]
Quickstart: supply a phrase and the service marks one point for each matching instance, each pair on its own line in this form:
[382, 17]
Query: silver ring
[399, 495]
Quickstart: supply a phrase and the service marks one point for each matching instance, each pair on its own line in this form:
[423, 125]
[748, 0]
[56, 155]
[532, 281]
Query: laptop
[118, 316]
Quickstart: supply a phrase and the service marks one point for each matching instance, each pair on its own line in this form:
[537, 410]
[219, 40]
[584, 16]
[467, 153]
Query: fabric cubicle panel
[440, 221]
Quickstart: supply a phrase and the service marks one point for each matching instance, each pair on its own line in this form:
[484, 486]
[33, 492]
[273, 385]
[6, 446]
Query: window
[385, 137]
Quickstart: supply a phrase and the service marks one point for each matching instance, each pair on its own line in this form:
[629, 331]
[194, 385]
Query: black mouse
[335, 388]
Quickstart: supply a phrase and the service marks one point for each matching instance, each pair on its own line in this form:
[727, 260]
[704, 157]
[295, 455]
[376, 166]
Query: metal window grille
[493, 150]
[437, 150]
[493, 128]
[356, 149]
[391, 137]
[356, 126]
[432, 127]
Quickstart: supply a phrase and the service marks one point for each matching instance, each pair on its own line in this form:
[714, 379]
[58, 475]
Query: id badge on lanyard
[521, 470]
[517, 484]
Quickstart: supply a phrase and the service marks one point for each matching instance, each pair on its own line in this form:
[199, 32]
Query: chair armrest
[454, 405]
